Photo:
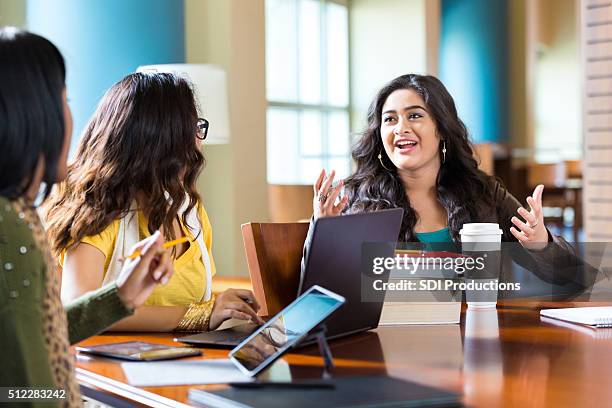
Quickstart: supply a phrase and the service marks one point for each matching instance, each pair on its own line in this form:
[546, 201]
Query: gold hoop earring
[443, 151]
[381, 161]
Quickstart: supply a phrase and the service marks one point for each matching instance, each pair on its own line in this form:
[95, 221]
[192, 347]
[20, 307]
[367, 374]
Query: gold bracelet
[197, 317]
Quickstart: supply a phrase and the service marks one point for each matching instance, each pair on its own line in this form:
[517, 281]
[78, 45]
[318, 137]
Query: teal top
[442, 235]
[439, 240]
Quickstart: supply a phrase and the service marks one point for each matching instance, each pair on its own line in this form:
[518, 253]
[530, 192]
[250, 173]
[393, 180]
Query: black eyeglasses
[202, 128]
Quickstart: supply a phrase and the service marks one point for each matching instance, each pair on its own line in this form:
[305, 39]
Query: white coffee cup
[482, 237]
[481, 232]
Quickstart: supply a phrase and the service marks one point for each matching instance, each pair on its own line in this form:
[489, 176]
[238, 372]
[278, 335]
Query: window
[307, 89]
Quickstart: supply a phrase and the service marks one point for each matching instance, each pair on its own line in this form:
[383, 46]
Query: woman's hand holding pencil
[148, 265]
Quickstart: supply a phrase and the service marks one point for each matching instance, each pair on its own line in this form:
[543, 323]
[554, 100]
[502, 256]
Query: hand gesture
[325, 196]
[531, 232]
[142, 274]
[236, 303]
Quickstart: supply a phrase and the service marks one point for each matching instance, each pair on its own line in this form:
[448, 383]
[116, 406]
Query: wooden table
[507, 357]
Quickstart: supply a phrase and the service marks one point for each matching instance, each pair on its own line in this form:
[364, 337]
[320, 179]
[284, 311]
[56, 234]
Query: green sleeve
[23, 355]
[95, 311]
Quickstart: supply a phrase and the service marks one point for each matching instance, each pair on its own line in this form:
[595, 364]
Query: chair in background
[274, 255]
[573, 169]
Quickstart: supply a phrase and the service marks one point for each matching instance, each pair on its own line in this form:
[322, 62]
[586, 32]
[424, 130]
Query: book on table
[403, 313]
[417, 293]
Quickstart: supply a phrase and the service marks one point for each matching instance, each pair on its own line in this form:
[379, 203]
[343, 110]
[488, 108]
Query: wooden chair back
[274, 255]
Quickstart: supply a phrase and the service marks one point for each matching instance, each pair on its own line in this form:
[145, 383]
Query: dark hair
[140, 143]
[462, 188]
[32, 78]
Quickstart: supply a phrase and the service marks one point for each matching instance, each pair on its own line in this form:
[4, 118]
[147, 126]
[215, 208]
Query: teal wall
[103, 41]
[474, 60]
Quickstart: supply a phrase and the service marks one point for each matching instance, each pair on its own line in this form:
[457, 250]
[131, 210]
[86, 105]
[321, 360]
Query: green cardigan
[24, 360]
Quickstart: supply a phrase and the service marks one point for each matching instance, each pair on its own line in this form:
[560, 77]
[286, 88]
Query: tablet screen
[272, 339]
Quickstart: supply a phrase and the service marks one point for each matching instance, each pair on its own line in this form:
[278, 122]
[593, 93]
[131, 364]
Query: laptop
[333, 262]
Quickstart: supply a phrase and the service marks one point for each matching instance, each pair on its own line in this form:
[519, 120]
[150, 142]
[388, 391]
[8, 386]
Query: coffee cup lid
[481, 228]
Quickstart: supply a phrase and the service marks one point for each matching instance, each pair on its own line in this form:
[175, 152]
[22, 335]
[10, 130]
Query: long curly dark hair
[140, 143]
[462, 188]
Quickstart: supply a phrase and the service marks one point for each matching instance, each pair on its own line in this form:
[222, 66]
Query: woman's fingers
[237, 315]
[520, 236]
[536, 208]
[231, 313]
[150, 250]
[535, 201]
[340, 206]
[163, 271]
[526, 229]
[243, 307]
[326, 196]
[532, 230]
[249, 297]
[317, 184]
[331, 198]
[528, 216]
[537, 194]
[327, 183]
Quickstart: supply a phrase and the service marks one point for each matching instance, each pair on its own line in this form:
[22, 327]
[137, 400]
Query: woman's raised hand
[325, 195]
[142, 274]
[530, 231]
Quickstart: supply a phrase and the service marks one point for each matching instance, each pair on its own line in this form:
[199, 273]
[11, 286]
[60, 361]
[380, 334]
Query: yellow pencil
[166, 245]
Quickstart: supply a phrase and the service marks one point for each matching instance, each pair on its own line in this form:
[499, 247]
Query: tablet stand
[328, 360]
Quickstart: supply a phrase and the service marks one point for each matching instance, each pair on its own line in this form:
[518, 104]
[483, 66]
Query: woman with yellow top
[135, 171]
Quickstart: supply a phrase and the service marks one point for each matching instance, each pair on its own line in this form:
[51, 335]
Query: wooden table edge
[116, 388]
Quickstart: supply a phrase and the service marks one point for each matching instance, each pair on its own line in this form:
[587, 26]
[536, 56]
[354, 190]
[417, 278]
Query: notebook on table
[599, 316]
[591, 331]
[139, 351]
[370, 391]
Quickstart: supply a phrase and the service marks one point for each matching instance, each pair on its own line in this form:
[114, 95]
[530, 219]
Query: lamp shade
[210, 89]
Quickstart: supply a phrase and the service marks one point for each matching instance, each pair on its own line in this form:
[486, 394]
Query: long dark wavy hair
[140, 143]
[463, 189]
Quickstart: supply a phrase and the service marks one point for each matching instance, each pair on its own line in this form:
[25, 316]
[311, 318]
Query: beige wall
[13, 13]
[231, 33]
